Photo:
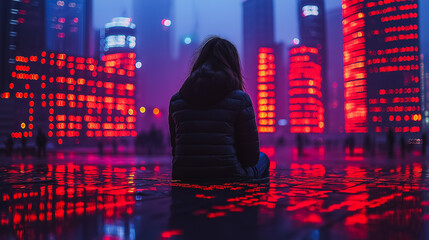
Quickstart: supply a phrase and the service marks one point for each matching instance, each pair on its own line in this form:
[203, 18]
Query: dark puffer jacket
[213, 130]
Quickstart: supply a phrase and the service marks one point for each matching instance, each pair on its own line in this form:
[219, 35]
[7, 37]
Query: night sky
[223, 17]
[208, 17]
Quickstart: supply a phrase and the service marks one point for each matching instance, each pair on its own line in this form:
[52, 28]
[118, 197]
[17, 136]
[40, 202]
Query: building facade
[22, 29]
[306, 111]
[312, 34]
[69, 26]
[381, 66]
[261, 58]
[71, 98]
[154, 47]
[335, 74]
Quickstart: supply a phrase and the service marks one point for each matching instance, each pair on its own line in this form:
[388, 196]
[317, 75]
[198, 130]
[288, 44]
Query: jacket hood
[205, 86]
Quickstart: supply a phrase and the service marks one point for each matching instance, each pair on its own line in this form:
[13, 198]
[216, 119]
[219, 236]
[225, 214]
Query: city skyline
[264, 70]
[213, 17]
[209, 11]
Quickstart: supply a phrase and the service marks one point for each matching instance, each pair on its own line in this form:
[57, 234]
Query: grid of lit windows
[75, 98]
[393, 66]
[305, 81]
[381, 57]
[266, 91]
[355, 75]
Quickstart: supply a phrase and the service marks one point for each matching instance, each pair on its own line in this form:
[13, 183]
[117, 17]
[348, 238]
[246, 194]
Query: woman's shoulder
[175, 97]
[238, 94]
[241, 96]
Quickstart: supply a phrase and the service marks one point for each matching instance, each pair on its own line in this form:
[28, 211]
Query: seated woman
[212, 121]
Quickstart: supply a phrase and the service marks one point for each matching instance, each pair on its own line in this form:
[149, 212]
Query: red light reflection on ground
[360, 199]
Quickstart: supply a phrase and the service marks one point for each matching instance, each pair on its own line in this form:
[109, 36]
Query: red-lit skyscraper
[307, 70]
[305, 90]
[381, 66]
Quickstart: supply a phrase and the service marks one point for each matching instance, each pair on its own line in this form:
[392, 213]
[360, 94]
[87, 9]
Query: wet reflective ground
[320, 196]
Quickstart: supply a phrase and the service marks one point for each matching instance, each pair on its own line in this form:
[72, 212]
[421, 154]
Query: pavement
[322, 195]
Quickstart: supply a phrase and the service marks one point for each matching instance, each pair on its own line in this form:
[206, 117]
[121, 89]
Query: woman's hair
[220, 55]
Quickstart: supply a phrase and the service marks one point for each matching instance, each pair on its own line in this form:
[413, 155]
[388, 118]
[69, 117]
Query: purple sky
[223, 17]
[208, 17]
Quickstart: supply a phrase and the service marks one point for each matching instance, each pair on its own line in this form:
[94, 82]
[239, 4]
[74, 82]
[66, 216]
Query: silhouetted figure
[373, 146]
[391, 143]
[352, 145]
[100, 146]
[346, 145]
[159, 140]
[403, 146]
[424, 143]
[41, 142]
[9, 145]
[140, 143]
[155, 140]
[115, 146]
[152, 139]
[299, 143]
[212, 122]
[328, 145]
[23, 146]
[367, 144]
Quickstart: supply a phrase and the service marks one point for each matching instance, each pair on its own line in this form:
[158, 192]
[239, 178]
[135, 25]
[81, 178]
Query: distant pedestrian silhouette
[424, 144]
[23, 146]
[115, 146]
[403, 146]
[41, 142]
[367, 144]
[352, 145]
[300, 143]
[100, 146]
[391, 142]
[9, 145]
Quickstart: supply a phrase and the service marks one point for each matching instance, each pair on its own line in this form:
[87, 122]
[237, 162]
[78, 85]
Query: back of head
[215, 73]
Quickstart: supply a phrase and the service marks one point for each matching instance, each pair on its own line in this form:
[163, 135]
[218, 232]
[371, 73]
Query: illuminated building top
[120, 36]
[121, 22]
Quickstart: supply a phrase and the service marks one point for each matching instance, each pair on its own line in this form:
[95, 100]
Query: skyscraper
[305, 95]
[260, 60]
[312, 34]
[69, 26]
[311, 19]
[334, 72]
[71, 98]
[155, 24]
[22, 30]
[381, 66]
